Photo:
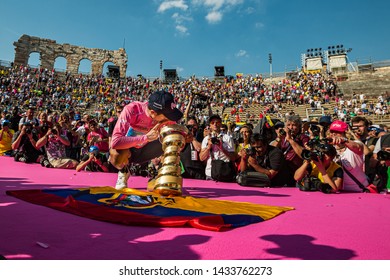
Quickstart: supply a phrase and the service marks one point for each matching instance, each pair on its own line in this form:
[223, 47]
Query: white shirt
[216, 152]
[354, 164]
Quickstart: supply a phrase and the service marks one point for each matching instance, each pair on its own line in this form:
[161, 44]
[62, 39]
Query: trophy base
[167, 191]
[163, 190]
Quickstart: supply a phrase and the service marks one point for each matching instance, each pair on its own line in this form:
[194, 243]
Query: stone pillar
[97, 67]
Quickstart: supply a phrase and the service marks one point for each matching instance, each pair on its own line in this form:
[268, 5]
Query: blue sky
[193, 36]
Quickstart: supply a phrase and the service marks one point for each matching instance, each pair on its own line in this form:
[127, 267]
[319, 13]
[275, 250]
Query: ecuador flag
[138, 208]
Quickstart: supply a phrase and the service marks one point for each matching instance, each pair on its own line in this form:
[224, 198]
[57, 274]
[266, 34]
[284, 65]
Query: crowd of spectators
[64, 121]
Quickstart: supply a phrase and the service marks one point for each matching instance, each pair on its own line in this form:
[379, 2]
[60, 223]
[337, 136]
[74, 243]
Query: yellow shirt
[6, 140]
[330, 171]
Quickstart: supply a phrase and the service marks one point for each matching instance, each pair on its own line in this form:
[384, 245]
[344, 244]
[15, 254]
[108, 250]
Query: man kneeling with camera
[319, 172]
[260, 163]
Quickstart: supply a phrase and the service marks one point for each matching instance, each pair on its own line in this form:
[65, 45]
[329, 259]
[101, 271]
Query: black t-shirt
[26, 147]
[272, 160]
[194, 169]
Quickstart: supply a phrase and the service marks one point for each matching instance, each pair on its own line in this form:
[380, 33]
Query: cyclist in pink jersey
[135, 136]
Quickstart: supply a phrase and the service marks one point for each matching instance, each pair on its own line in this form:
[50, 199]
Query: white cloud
[214, 17]
[250, 10]
[171, 4]
[242, 53]
[180, 21]
[180, 18]
[182, 30]
[259, 25]
[216, 8]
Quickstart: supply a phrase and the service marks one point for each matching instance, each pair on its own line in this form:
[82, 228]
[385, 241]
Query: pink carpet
[322, 227]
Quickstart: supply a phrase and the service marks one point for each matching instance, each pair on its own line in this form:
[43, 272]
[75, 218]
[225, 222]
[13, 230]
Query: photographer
[93, 161]
[291, 141]
[29, 117]
[360, 130]
[98, 136]
[242, 141]
[24, 144]
[350, 154]
[201, 102]
[318, 163]
[262, 158]
[380, 160]
[55, 143]
[218, 150]
[6, 135]
[193, 167]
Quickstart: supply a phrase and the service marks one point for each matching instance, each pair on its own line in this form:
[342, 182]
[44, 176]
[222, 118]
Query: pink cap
[338, 126]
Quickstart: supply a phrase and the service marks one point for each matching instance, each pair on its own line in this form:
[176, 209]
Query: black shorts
[148, 152]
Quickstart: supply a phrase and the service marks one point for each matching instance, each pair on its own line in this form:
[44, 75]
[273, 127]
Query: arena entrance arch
[49, 50]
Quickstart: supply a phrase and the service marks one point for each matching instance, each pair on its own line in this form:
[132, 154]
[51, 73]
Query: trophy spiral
[168, 181]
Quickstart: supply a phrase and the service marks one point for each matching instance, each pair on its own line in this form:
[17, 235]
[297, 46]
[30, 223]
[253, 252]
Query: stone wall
[371, 84]
[49, 50]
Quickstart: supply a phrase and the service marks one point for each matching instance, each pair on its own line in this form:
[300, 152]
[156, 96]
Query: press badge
[194, 155]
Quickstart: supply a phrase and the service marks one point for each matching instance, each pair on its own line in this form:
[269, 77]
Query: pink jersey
[131, 127]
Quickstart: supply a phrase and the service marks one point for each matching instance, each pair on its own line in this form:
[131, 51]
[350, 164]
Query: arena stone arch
[49, 50]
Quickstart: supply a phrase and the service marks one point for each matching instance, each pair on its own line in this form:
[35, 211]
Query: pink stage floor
[322, 227]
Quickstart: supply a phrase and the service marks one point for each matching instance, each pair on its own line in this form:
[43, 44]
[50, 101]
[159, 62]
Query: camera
[54, 131]
[44, 128]
[282, 132]
[215, 140]
[312, 142]
[237, 137]
[190, 127]
[202, 96]
[312, 155]
[314, 184]
[383, 155]
[45, 163]
[28, 130]
[315, 129]
[250, 151]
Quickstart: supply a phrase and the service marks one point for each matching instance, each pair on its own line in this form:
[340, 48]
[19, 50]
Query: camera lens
[250, 151]
[306, 154]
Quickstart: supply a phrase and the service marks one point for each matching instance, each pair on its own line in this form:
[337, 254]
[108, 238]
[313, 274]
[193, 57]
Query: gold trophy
[168, 181]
